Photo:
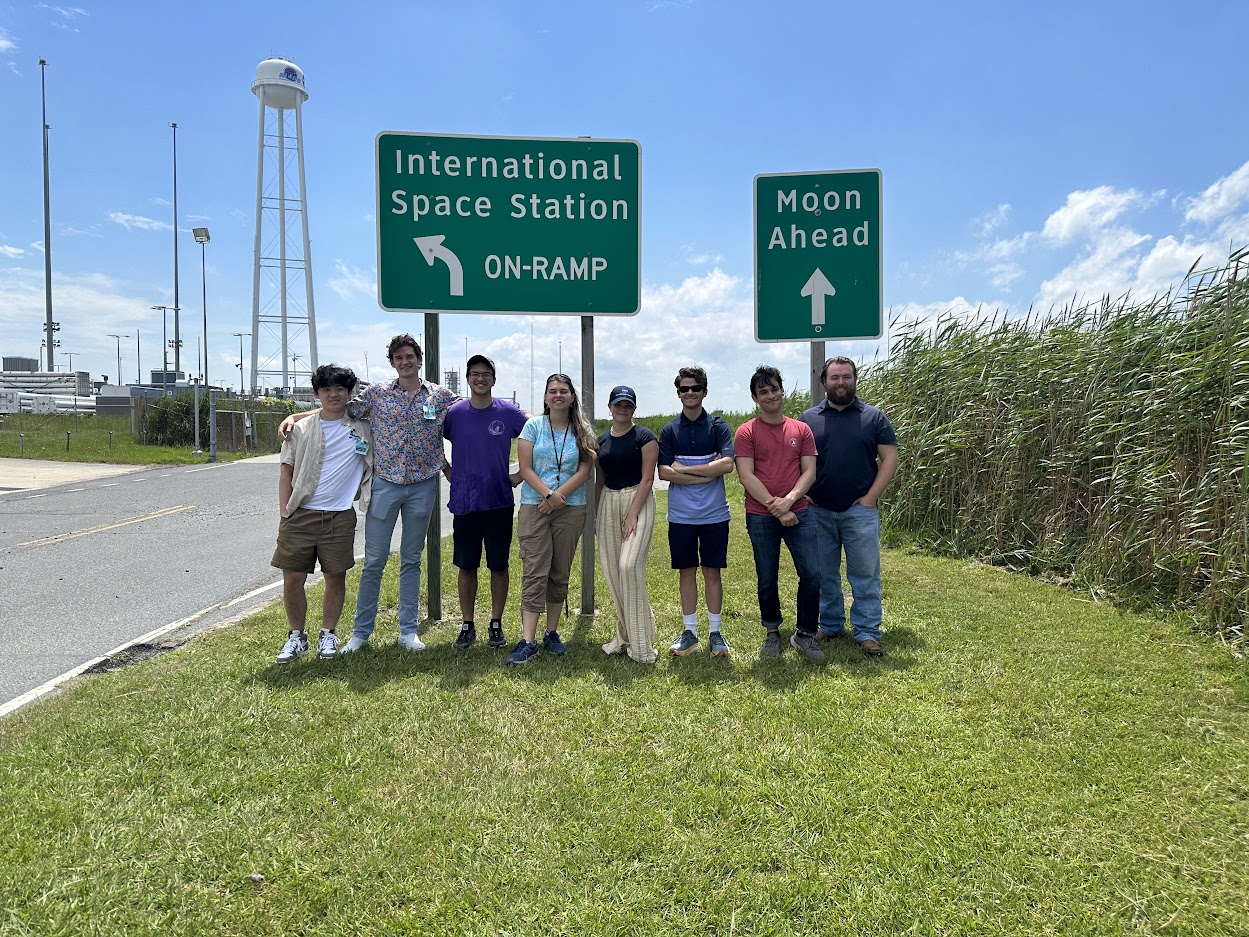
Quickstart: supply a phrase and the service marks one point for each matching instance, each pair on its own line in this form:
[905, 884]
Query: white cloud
[1088, 211]
[990, 221]
[1224, 196]
[88, 307]
[691, 255]
[7, 250]
[7, 43]
[131, 222]
[352, 283]
[1003, 275]
[1106, 266]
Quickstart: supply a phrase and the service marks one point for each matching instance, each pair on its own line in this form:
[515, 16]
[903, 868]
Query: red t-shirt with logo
[777, 449]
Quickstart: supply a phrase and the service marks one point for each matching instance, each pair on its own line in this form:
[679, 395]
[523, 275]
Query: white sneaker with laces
[411, 642]
[296, 646]
[327, 645]
[354, 643]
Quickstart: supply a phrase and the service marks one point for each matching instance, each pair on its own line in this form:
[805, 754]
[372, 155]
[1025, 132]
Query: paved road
[93, 564]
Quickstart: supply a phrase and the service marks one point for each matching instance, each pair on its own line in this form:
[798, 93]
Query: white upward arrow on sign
[817, 287]
[433, 249]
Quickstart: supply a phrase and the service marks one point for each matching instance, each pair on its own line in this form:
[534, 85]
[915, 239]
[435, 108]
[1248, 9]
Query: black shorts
[694, 545]
[470, 531]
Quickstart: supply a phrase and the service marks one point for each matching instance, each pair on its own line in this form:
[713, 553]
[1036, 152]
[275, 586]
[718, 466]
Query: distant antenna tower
[281, 258]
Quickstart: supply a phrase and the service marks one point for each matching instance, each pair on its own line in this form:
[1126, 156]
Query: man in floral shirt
[405, 416]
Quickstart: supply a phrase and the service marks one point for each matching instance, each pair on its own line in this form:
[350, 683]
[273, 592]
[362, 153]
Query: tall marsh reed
[1104, 444]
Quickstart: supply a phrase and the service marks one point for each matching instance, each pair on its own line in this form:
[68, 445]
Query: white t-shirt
[341, 469]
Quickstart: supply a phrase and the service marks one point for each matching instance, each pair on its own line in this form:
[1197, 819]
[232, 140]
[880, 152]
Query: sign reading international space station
[818, 256]
[508, 224]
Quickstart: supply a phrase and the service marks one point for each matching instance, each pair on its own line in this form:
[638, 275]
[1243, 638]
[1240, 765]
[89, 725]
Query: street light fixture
[119, 338]
[202, 238]
[240, 336]
[165, 343]
[70, 356]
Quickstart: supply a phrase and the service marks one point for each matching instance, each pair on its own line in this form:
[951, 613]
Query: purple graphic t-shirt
[481, 447]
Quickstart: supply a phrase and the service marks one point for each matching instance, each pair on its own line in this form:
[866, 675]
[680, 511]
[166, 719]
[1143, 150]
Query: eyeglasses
[691, 388]
[480, 374]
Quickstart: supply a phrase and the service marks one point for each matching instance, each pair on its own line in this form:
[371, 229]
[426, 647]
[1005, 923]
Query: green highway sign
[508, 224]
[817, 256]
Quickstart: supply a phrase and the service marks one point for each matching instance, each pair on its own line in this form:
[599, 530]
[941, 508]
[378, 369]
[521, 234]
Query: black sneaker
[466, 637]
[553, 644]
[496, 633]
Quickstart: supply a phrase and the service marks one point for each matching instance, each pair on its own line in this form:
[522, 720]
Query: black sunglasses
[691, 388]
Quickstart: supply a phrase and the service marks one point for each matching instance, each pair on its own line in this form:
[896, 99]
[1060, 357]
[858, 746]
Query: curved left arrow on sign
[433, 249]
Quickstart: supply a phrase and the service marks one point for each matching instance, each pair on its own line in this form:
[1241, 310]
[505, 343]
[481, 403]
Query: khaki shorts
[308, 536]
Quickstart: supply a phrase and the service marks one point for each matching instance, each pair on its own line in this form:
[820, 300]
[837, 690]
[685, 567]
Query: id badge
[362, 447]
[429, 411]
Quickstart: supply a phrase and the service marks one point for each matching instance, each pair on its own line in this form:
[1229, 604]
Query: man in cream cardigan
[326, 465]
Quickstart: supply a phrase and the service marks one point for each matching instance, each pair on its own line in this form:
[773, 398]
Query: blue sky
[1028, 153]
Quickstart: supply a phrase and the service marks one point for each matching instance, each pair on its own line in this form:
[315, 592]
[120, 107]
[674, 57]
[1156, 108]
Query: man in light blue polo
[695, 453]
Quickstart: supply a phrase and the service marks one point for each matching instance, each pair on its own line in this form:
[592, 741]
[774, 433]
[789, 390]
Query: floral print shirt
[407, 430]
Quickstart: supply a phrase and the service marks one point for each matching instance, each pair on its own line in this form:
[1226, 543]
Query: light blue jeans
[415, 503]
[856, 532]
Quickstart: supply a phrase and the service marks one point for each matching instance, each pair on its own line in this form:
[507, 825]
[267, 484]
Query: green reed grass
[1103, 444]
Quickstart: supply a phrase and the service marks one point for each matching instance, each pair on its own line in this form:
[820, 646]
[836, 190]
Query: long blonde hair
[587, 444]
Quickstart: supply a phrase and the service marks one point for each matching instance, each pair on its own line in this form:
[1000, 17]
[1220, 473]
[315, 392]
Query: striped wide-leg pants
[624, 566]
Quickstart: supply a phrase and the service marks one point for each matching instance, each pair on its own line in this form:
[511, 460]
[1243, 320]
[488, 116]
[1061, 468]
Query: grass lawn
[1023, 762]
[91, 439]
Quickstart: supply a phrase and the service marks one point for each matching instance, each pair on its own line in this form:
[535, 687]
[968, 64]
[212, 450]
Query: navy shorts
[699, 545]
[470, 531]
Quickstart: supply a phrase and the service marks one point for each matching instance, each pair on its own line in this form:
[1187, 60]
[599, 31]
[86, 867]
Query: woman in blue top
[556, 452]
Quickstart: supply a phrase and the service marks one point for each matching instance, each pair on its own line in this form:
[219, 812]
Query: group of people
[811, 484]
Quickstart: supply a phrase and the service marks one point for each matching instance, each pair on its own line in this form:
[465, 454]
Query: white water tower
[280, 258]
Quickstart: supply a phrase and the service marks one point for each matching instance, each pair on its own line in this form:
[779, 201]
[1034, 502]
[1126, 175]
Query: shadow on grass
[457, 670]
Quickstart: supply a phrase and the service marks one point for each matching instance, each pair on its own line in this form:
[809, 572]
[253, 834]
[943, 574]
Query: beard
[841, 395]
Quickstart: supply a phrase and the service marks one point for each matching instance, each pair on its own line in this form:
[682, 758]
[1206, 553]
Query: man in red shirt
[776, 463]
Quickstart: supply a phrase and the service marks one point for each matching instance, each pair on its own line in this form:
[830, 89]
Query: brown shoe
[825, 636]
[871, 648]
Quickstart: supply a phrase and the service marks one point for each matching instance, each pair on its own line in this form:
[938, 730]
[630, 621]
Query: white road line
[78, 489]
[52, 685]
[109, 485]
[33, 497]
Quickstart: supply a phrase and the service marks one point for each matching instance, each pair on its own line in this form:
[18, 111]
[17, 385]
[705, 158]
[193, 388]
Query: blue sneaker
[553, 644]
[523, 653]
[688, 641]
[719, 646]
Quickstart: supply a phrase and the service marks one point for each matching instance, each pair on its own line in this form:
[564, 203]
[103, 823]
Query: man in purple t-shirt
[481, 430]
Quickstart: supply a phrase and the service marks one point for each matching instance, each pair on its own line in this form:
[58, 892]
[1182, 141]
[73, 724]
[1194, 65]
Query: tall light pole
[47, 217]
[240, 336]
[70, 356]
[138, 359]
[164, 351]
[177, 331]
[202, 238]
[119, 338]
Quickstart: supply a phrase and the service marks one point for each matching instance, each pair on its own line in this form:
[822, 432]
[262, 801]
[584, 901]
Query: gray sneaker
[296, 646]
[771, 645]
[806, 646]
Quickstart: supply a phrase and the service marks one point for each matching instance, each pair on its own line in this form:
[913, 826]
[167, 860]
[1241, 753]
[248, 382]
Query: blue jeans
[766, 534]
[416, 503]
[855, 531]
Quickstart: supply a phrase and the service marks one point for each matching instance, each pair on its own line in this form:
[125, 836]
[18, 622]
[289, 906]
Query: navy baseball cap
[622, 392]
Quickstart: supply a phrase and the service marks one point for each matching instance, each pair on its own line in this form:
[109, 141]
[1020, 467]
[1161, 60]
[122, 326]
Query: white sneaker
[354, 643]
[296, 646]
[327, 645]
[411, 642]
